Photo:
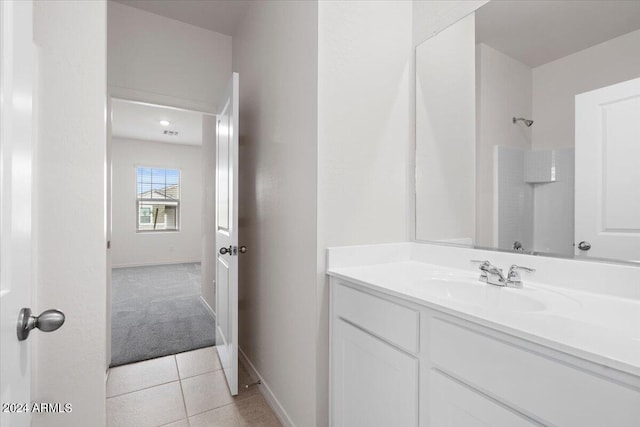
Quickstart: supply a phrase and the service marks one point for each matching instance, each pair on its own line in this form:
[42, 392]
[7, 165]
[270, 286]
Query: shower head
[525, 121]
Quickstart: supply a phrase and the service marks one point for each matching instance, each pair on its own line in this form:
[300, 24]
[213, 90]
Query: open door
[16, 154]
[607, 210]
[227, 234]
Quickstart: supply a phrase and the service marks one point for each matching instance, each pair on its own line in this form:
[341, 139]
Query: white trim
[146, 264]
[208, 307]
[145, 97]
[269, 396]
[168, 107]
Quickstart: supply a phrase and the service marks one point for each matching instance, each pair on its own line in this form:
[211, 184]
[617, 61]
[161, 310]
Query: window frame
[152, 201]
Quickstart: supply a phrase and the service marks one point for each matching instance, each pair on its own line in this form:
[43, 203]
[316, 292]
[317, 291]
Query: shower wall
[553, 201]
[503, 90]
[534, 199]
[514, 198]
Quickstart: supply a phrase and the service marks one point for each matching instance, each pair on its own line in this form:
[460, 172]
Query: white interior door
[607, 214]
[227, 234]
[16, 127]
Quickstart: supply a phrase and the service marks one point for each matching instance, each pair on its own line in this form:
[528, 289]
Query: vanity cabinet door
[373, 383]
[455, 405]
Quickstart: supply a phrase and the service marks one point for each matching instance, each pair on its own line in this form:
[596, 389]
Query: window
[158, 199]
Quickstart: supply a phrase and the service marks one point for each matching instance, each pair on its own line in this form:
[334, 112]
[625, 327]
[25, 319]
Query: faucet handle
[513, 278]
[514, 269]
[483, 266]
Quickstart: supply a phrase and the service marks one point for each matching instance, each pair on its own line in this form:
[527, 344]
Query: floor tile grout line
[166, 382]
[173, 422]
[184, 400]
[234, 402]
[197, 375]
[144, 388]
[212, 409]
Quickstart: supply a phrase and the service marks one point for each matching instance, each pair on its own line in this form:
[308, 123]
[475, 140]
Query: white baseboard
[208, 307]
[271, 399]
[146, 264]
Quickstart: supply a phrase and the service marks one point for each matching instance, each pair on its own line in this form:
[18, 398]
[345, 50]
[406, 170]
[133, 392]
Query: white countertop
[600, 328]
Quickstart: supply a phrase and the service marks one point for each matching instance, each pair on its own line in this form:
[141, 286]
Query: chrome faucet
[494, 276]
[490, 273]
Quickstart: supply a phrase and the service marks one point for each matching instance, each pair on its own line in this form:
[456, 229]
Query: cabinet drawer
[454, 405]
[557, 393]
[392, 322]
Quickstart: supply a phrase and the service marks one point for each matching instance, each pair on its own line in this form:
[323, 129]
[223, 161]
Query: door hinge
[108, 244]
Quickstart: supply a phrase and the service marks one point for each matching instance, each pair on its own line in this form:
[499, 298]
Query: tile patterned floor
[183, 390]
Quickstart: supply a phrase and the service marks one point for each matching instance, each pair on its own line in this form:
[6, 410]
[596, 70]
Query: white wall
[357, 86]
[556, 84]
[446, 134]
[161, 60]
[365, 135]
[433, 16]
[275, 53]
[69, 364]
[504, 90]
[129, 248]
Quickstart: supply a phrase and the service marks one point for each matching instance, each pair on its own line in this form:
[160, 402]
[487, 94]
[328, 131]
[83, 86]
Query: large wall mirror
[528, 129]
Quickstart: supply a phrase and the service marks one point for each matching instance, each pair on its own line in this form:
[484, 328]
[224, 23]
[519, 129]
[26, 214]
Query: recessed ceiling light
[165, 123]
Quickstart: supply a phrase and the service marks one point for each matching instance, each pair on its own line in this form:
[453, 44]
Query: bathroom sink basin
[472, 292]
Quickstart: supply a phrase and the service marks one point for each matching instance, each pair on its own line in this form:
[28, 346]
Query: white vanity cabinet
[374, 362]
[398, 363]
[378, 383]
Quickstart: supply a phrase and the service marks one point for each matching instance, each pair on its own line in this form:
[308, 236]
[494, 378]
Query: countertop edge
[586, 355]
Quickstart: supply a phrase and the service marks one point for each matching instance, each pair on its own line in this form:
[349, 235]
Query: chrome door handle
[233, 250]
[48, 321]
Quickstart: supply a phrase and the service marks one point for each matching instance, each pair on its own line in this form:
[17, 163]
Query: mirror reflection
[528, 129]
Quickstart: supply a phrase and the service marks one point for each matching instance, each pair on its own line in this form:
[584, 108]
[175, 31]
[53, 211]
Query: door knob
[242, 249]
[584, 246]
[228, 250]
[48, 321]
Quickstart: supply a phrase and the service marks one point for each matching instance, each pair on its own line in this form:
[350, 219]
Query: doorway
[158, 193]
